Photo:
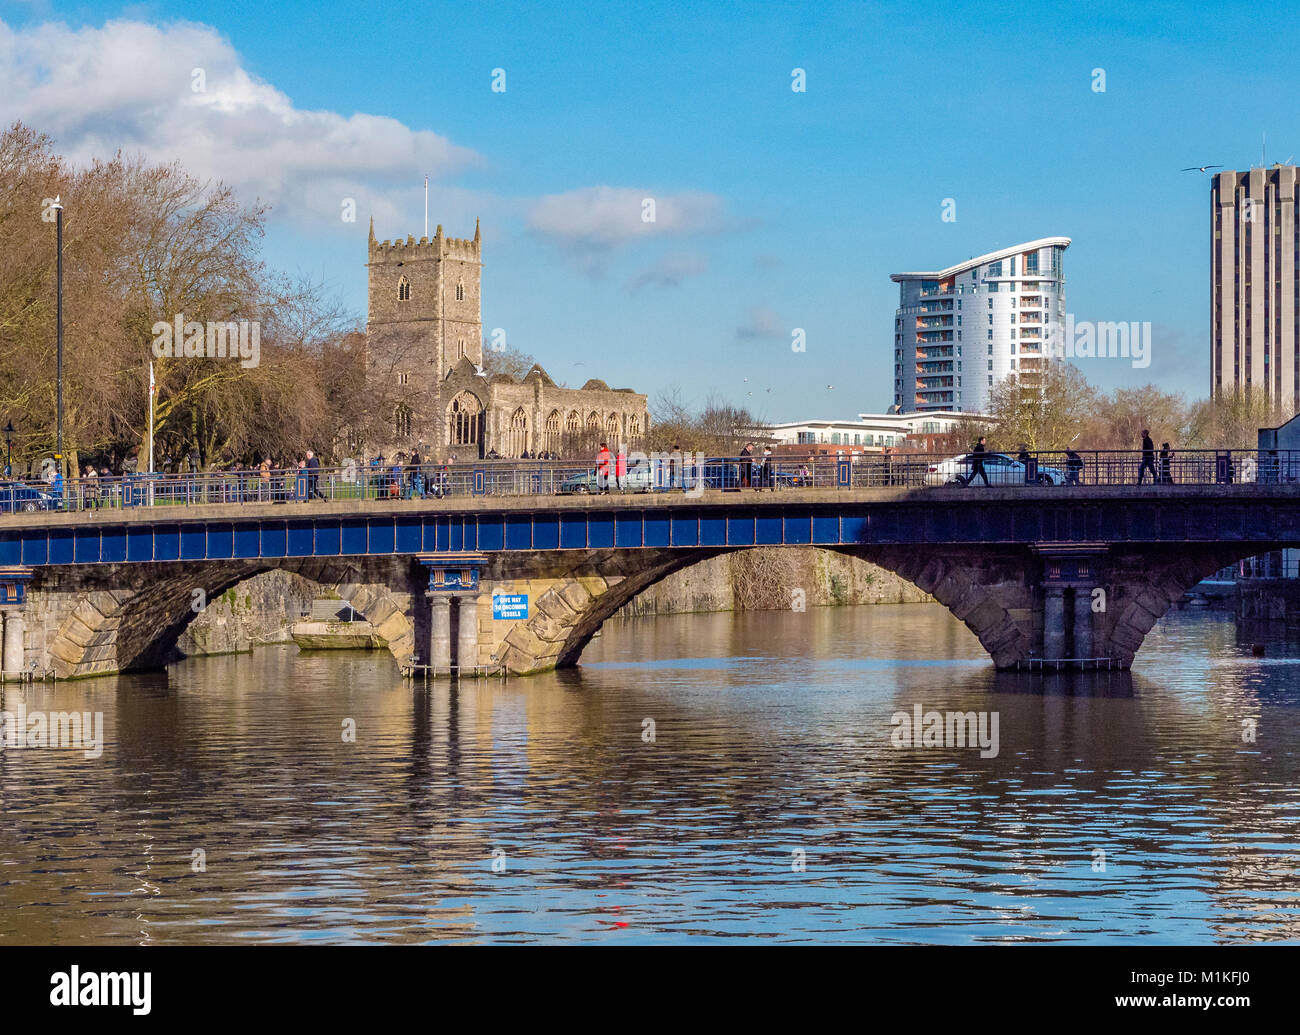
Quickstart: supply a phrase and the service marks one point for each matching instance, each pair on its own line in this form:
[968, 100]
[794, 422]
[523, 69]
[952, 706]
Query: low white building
[871, 432]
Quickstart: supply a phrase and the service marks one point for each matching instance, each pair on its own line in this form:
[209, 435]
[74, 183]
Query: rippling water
[539, 809]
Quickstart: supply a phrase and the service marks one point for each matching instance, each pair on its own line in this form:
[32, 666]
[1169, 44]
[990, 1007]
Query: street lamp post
[58, 324]
[9, 450]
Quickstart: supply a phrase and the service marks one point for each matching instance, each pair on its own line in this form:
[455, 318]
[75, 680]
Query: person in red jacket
[602, 468]
[620, 468]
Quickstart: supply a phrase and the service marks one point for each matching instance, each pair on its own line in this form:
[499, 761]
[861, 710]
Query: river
[699, 778]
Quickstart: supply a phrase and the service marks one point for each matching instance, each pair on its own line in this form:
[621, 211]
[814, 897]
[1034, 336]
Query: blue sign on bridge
[510, 605]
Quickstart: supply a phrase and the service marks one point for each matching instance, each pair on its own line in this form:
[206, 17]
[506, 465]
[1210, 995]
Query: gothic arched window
[402, 422]
[553, 431]
[518, 441]
[464, 417]
[403, 289]
[460, 292]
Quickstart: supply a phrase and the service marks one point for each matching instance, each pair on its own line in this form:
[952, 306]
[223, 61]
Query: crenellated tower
[425, 301]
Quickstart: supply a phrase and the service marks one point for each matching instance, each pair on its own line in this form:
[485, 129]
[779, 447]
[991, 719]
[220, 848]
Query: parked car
[639, 478]
[719, 473]
[1001, 469]
[15, 496]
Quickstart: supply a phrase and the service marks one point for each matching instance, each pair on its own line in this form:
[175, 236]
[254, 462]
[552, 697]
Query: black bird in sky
[1200, 168]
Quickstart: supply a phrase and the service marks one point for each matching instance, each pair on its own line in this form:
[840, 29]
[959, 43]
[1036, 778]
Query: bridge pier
[1083, 637]
[1070, 572]
[13, 602]
[12, 667]
[467, 634]
[1054, 624]
[439, 631]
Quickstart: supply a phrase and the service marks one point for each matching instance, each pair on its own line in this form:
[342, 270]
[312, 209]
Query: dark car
[15, 496]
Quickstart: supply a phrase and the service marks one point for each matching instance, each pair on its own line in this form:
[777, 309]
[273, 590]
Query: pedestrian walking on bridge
[977, 463]
[313, 476]
[1148, 458]
[602, 468]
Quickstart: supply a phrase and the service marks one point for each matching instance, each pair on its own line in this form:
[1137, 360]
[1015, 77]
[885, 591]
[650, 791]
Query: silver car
[1000, 468]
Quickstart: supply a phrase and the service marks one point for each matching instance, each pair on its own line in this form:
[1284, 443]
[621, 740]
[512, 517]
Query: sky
[775, 209]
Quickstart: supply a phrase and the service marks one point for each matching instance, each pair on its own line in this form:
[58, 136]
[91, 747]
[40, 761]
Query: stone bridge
[1039, 574]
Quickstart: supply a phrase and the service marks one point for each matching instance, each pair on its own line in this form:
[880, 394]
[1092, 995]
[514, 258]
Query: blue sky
[775, 209]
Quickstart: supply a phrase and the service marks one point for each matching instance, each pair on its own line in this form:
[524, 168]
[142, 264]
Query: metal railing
[1274, 564]
[654, 473]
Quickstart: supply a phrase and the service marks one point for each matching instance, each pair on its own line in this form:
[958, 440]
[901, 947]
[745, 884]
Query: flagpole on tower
[426, 205]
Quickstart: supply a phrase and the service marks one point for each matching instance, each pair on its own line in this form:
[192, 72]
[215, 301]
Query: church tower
[425, 302]
[423, 316]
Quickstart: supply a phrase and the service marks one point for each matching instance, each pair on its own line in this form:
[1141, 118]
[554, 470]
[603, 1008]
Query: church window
[553, 431]
[464, 419]
[460, 292]
[403, 289]
[402, 422]
[518, 441]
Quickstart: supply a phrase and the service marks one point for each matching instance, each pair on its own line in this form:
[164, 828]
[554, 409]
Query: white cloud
[130, 86]
[669, 271]
[608, 217]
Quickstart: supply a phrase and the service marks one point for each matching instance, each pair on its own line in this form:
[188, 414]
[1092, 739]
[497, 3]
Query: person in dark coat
[1166, 472]
[1148, 458]
[1073, 467]
[313, 476]
[977, 463]
[745, 472]
[1024, 458]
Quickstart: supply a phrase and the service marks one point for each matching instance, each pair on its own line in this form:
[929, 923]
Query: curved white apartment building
[959, 330]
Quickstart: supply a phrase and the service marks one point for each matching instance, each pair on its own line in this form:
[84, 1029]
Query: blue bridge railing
[654, 473]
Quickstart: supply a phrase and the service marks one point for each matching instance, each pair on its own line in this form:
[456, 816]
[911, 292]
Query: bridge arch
[136, 624]
[996, 593]
[989, 596]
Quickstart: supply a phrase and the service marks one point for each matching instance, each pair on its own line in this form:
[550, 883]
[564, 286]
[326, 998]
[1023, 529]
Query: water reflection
[771, 737]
